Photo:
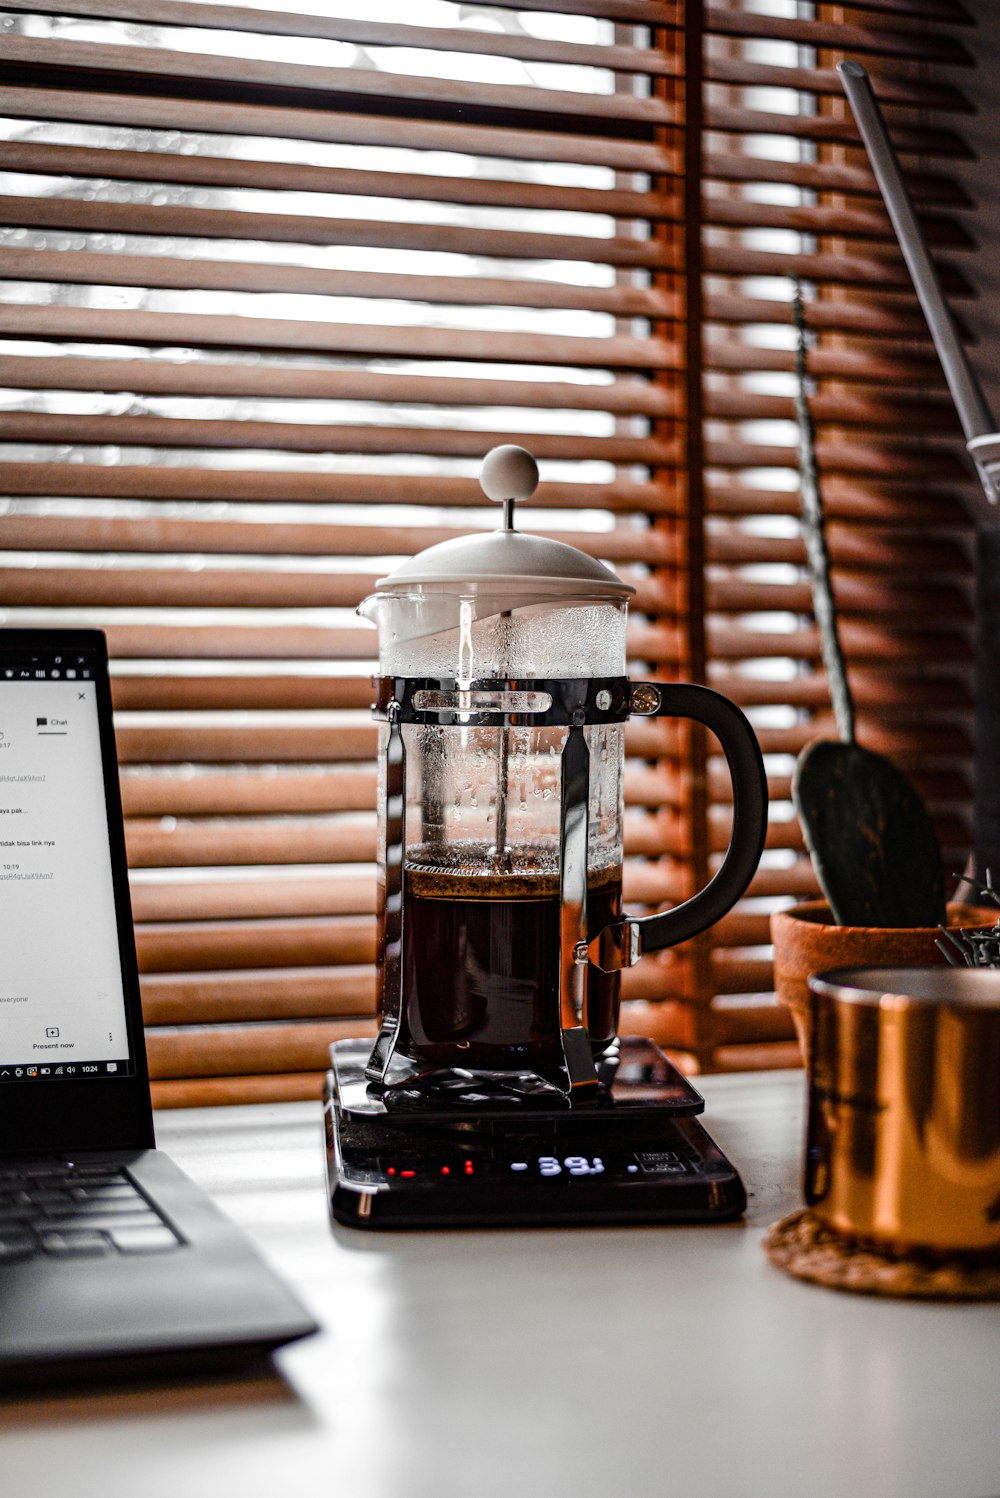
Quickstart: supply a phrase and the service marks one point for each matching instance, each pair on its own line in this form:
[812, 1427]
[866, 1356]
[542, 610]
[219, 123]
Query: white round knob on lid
[505, 564]
[508, 472]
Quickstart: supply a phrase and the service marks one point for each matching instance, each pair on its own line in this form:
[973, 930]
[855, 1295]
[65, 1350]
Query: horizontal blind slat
[878, 40]
[218, 794]
[224, 997]
[235, 172]
[854, 595]
[225, 642]
[753, 1023]
[931, 188]
[263, 486]
[872, 501]
[895, 742]
[863, 641]
[862, 546]
[239, 744]
[54, 533]
[868, 689]
[266, 894]
[923, 95]
[225, 1092]
[337, 128]
[98, 325]
[867, 274]
[84, 215]
[952, 12]
[844, 223]
[120, 587]
[158, 693]
[97, 267]
[833, 130]
[848, 456]
[319, 941]
[164, 69]
[362, 32]
[238, 1050]
[845, 364]
[871, 413]
[318, 437]
[628, 396]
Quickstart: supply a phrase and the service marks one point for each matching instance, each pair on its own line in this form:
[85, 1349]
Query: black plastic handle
[746, 769]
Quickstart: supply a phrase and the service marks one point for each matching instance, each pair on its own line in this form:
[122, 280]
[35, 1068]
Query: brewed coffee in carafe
[481, 894]
[503, 697]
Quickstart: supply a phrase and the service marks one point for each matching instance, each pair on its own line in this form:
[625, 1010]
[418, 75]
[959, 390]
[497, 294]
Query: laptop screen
[63, 1011]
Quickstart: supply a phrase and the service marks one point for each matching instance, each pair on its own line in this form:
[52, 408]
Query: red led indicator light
[468, 1167]
[409, 1174]
[446, 1170]
[391, 1170]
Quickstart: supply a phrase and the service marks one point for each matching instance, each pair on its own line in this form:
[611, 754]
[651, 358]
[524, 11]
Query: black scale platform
[447, 1149]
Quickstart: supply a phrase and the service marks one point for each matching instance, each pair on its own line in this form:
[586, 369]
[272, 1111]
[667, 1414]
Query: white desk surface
[634, 1363]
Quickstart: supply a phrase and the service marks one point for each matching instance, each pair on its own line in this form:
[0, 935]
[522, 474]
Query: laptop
[111, 1260]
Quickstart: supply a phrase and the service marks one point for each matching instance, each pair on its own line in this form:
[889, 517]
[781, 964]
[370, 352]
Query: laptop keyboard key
[125, 1206]
[16, 1245]
[16, 1214]
[49, 1198]
[107, 1224]
[143, 1240]
[72, 1243]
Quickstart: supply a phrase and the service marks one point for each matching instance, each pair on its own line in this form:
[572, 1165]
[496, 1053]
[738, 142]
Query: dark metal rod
[970, 403]
[573, 873]
[391, 935]
[814, 535]
[573, 957]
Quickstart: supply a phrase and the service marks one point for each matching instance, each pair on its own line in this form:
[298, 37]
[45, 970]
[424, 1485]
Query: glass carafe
[502, 697]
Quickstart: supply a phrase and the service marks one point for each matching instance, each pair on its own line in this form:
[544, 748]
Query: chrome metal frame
[575, 703]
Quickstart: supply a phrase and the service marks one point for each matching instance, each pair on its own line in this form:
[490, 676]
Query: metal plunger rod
[508, 474]
[501, 852]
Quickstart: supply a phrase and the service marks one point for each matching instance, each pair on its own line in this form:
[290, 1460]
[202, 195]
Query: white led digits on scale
[576, 1165]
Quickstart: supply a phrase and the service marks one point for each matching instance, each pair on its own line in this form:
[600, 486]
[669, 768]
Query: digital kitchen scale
[454, 1149]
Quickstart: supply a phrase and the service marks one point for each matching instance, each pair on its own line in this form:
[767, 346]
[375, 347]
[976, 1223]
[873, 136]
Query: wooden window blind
[274, 281]
[788, 191]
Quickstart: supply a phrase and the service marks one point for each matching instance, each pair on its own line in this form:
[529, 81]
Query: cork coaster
[805, 1247]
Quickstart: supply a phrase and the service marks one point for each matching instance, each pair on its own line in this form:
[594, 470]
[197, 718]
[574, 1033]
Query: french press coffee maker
[503, 698]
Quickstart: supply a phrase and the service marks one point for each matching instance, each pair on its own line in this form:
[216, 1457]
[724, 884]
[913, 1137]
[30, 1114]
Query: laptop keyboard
[69, 1210]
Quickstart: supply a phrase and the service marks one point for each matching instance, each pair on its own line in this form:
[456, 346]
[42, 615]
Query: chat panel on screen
[62, 1003]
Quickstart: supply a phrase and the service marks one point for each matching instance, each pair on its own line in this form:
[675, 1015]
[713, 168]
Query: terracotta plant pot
[807, 941]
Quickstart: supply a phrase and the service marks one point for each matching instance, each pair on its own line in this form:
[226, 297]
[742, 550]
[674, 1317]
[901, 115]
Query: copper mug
[903, 1144]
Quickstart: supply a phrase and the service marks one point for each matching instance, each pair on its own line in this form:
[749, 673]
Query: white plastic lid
[498, 561]
[534, 568]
